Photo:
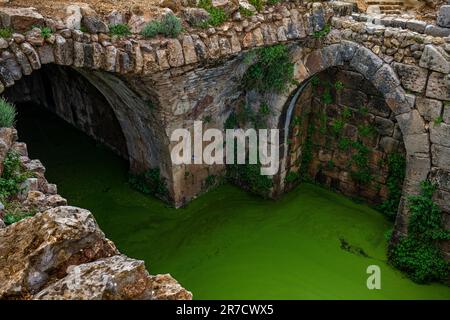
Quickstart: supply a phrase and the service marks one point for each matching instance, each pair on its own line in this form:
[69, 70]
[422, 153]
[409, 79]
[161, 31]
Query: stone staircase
[388, 6]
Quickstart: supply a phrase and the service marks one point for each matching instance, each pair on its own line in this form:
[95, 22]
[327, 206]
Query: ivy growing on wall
[396, 174]
[271, 71]
[418, 254]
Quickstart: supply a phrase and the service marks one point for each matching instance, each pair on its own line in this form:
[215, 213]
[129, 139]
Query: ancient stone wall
[351, 135]
[197, 76]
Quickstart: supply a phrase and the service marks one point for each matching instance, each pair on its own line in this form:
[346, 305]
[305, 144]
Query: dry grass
[55, 8]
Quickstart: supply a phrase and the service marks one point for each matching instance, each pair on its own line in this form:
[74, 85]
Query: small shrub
[396, 174]
[6, 33]
[210, 181]
[258, 4]
[169, 26]
[249, 176]
[291, 177]
[121, 30]
[322, 33]
[149, 182]
[15, 213]
[245, 12]
[272, 71]
[346, 113]
[337, 126]
[366, 130]
[327, 98]
[363, 174]
[46, 32]
[152, 29]
[273, 2]
[338, 85]
[12, 177]
[7, 114]
[344, 144]
[419, 254]
[438, 120]
[217, 15]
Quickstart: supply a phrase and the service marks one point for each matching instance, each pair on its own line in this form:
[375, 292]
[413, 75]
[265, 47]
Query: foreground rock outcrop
[114, 278]
[60, 252]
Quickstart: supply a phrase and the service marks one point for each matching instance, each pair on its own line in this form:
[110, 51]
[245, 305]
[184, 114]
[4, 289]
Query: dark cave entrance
[62, 92]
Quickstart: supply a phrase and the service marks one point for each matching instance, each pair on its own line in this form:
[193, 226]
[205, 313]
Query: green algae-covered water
[227, 244]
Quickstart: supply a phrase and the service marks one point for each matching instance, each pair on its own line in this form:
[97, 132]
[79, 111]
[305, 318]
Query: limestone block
[443, 18]
[435, 58]
[385, 79]
[412, 77]
[411, 123]
[441, 156]
[440, 134]
[366, 62]
[76, 238]
[20, 19]
[114, 278]
[429, 109]
[438, 86]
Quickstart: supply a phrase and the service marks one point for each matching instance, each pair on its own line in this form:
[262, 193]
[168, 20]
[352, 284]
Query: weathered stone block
[417, 143]
[441, 156]
[429, 109]
[438, 86]
[190, 54]
[385, 79]
[436, 31]
[32, 55]
[20, 19]
[412, 77]
[46, 54]
[389, 145]
[435, 58]
[384, 126]
[366, 62]
[416, 25]
[440, 134]
[446, 113]
[63, 51]
[114, 278]
[441, 178]
[75, 238]
[378, 107]
[417, 169]
[411, 123]
[94, 24]
[443, 18]
[351, 98]
[398, 101]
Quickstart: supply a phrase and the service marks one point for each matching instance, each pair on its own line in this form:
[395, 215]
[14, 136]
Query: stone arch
[143, 132]
[382, 76]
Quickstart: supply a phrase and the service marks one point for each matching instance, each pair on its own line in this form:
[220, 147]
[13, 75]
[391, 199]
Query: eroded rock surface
[62, 254]
[115, 278]
[39, 249]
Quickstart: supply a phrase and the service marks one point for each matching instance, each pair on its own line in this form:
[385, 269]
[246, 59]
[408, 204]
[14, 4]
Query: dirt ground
[56, 7]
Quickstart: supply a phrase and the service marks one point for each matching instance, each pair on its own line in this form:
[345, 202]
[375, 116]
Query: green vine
[361, 159]
[396, 174]
[418, 254]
